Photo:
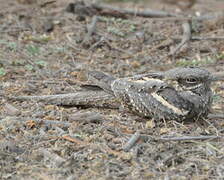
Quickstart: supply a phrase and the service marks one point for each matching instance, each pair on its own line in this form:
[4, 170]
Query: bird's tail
[102, 80]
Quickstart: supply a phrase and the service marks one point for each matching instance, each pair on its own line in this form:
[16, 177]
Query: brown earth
[41, 52]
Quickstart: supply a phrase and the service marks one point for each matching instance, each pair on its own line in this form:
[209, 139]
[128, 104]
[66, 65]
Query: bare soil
[41, 52]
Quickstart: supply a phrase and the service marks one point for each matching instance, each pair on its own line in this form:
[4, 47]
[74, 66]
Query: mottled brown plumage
[178, 94]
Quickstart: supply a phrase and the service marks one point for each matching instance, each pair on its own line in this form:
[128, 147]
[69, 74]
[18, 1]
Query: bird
[182, 93]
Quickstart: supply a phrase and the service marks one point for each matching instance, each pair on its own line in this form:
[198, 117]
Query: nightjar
[176, 94]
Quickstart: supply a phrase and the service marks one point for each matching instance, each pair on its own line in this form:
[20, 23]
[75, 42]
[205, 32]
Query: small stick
[14, 30]
[199, 38]
[91, 29]
[187, 138]
[216, 116]
[146, 13]
[132, 141]
[182, 138]
[46, 122]
[205, 17]
[185, 38]
[215, 38]
[71, 139]
[97, 43]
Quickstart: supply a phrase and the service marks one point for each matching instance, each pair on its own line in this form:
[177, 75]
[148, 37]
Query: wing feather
[148, 98]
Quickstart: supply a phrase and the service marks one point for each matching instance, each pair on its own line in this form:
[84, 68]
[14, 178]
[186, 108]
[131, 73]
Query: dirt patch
[42, 52]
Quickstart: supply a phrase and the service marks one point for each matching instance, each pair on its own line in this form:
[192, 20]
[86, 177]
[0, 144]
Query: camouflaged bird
[177, 94]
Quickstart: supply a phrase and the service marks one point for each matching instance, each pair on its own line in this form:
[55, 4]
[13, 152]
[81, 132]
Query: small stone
[48, 26]
[11, 110]
[150, 124]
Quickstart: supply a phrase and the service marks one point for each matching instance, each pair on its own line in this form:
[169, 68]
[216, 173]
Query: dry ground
[41, 53]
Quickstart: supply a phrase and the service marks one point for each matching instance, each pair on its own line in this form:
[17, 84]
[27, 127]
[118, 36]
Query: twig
[72, 139]
[44, 4]
[187, 138]
[46, 122]
[216, 116]
[146, 13]
[185, 38]
[208, 38]
[97, 43]
[91, 29]
[205, 17]
[199, 38]
[132, 141]
[82, 98]
[211, 16]
[182, 138]
[165, 43]
[117, 48]
[14, 30]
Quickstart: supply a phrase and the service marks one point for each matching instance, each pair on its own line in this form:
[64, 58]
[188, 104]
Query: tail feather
[102, 80]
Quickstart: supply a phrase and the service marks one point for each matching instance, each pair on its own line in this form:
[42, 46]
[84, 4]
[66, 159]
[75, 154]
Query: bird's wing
[148, 76]
[150, 97]
[102, 80]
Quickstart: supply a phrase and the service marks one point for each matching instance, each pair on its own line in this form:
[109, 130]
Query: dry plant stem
[47, 3]
[216, 116]
[82, 98]
[117, 48]
[182, 138]
[97, 43]
[91, 29]
[72, 139]
[185, 38]
[14, 30]
[46, 122]
[208, 16]
[132, 141]
[146, 13]
[215, 38]
[198, 38]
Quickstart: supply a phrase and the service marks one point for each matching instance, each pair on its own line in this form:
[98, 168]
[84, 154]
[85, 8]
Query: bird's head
[192, 79]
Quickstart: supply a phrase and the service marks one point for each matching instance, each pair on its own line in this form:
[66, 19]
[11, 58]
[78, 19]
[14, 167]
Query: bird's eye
[191, 80]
